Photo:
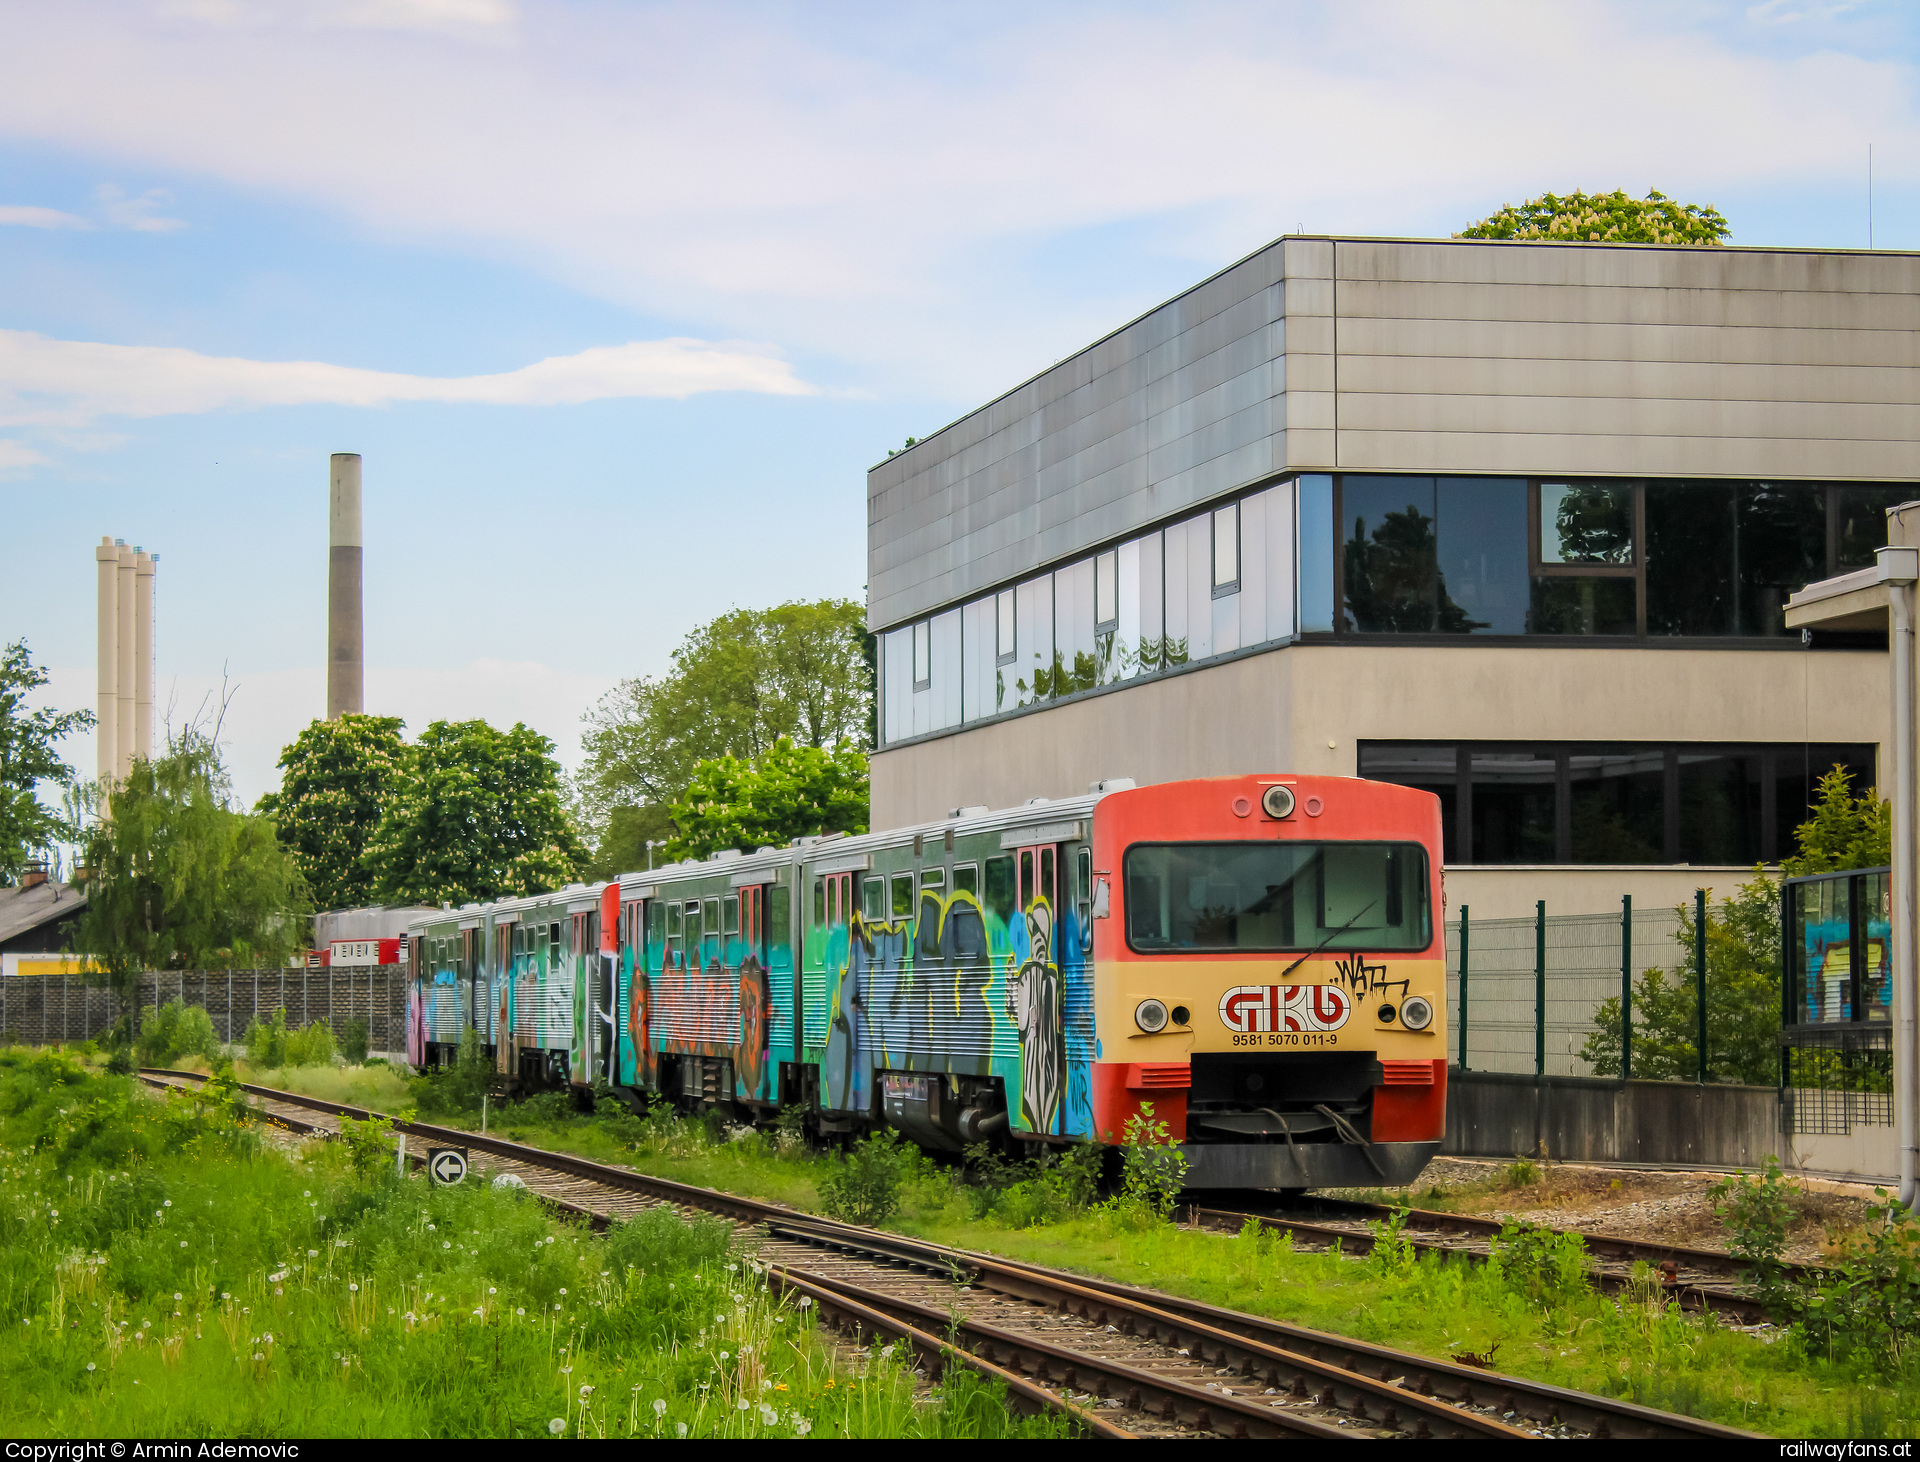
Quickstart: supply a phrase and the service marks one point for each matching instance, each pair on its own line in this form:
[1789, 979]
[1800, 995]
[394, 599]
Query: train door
[584, 938]
[756, 1013]
[471, 945]
[605, 926]
[1034, 994]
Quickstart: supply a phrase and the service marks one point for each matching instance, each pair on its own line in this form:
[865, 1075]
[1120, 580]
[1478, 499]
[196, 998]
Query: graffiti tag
[1264, 1008]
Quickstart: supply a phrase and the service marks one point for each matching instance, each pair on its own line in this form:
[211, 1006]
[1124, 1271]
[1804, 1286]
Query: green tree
[789, 792]
[27, 758]
[1743, 959]
[335, 778]
[1844, 832]
[1604, 218]
[183, 879]
[474, 814]
[737, 684]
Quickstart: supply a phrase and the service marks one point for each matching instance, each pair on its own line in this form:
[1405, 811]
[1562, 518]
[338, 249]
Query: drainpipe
[1899, 567]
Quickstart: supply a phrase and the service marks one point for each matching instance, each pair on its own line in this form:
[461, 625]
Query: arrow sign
[447, 1165]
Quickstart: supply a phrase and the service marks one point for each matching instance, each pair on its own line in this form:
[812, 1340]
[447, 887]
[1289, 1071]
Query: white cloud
[142, 214]
[874, 182]
[70, 382]
[18, 215]
[454, 16]
[15, 456]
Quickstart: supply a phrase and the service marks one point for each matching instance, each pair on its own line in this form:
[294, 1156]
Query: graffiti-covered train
[1261, 958]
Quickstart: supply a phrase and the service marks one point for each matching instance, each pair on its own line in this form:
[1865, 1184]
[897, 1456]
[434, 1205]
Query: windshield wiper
[1328, 940]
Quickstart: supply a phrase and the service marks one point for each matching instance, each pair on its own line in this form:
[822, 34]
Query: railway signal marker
[447, 1165]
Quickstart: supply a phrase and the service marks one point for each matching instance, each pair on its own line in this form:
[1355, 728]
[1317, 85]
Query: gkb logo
[1249, 1008]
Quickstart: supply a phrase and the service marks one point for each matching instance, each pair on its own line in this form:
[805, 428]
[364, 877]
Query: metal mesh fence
[1503, 1021]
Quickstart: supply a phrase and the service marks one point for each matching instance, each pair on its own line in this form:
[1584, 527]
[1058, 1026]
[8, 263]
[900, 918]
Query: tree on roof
[1604, 218]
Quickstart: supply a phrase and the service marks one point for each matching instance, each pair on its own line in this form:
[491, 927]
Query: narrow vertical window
[922, 655]
[1003, 623]
[1106, 590]
[1226, 549]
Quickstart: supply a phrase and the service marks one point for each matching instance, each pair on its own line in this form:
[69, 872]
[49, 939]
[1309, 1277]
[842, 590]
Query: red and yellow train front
[1270, 973]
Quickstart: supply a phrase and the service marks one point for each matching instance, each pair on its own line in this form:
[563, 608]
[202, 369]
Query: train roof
[833, 853]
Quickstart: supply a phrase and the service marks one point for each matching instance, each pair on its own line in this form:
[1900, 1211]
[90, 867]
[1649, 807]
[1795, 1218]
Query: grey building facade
[1513, 521]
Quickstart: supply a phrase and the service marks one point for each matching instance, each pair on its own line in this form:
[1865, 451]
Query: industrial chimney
[346, 668]
[124, 680]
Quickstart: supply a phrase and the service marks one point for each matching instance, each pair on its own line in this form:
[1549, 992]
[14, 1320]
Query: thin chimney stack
[346, 667]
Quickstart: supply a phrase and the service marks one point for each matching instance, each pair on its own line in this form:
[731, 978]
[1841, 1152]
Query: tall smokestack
[144, 566]
[107, 693]
[123, 663]
[346, 668]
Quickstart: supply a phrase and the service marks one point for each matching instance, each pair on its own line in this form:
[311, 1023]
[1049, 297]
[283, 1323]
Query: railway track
[1122, 1362]
[1700, 1279]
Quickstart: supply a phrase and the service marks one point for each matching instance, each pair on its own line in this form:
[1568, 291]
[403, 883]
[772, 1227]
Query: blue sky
[619, 301]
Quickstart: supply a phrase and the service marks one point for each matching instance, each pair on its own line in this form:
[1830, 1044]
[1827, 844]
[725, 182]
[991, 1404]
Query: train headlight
[1277, 802]
[1416, 1012]
[1150, 1016]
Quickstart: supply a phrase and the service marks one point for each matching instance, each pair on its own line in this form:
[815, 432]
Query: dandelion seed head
[556, 1426]
[355, 1289]
[659, 1406]
[89, 1365]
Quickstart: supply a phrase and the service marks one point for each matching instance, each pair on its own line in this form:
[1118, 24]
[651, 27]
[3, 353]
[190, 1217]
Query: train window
[731, 920]
[553, 946]
[819, 901]
[1002, 898]
[933, 878]
[1083, 888]
[710, 916]
[966, 878]
[1274, 896]
[1049, 889]
[656, 922]
[779, 915]
[692, 907]
[903, 895]
[674, 924]
[873, 898]
[927, 931]
[969, 933]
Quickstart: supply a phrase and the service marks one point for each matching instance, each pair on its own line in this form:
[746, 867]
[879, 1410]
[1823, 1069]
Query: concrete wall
[1581, 1119]
[1430, 356]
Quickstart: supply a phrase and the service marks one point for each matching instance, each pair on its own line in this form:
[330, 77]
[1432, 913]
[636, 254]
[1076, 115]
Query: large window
[1250, 896]
[1639, 803]
[1592, 557]
[1355, 554]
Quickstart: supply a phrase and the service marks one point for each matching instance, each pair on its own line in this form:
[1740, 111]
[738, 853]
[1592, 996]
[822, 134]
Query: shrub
[864, 1187]
[353, 1043]
[312, 1046]
[369, 1145]
[458, 1090]
[173, 1031]
[266, 1043]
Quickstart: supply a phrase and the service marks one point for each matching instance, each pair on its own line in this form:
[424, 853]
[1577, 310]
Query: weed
[369, 1144]
[175, 1030]
[1521, 1173]
[864, 1187]
[353, 1042]
[1153, 1169]
[1393, 1252]
[1546, 1267]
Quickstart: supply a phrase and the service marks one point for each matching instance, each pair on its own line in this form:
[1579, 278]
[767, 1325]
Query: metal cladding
[346, 640]
[124, 672]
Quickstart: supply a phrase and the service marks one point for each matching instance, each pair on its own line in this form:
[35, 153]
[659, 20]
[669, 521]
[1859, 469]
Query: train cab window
[873, 898]
[819, 901]
[966, 878]
[1277, 896]
[731, 917]
[903, 895]
[1083, 886]
[1002, 896]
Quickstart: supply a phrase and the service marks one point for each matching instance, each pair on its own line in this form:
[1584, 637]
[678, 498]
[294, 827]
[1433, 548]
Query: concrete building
[1515, 522]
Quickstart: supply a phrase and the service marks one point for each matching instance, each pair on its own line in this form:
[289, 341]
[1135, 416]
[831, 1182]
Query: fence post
[1626, 987]
[1700, 974]
[1463, 987]
[1540, 988]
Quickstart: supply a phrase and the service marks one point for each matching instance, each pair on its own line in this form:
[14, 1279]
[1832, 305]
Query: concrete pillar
[107, 687]
[123, 658]
[144, 567]
[346, 669]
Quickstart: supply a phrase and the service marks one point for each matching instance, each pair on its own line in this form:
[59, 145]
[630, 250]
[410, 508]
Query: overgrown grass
[164, 1274]
[1540, 1319]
